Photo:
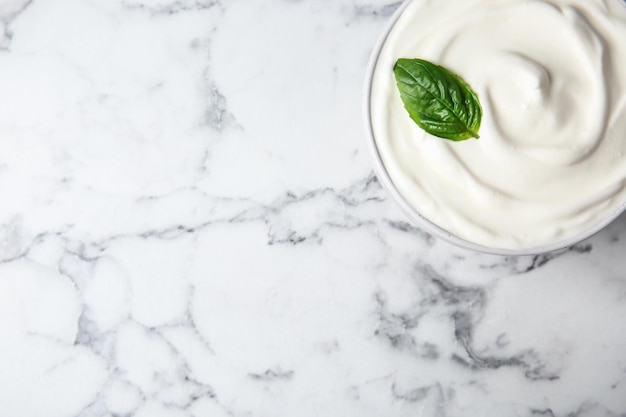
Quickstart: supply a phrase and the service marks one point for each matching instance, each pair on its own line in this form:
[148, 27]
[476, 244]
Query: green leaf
[439, 101]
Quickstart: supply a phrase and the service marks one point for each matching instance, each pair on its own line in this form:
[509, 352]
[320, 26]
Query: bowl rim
[411, 212]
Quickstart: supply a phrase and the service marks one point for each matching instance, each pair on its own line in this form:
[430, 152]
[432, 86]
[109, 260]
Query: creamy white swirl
[550, 163]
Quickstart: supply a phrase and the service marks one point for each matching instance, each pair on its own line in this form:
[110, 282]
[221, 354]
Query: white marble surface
[190, 227]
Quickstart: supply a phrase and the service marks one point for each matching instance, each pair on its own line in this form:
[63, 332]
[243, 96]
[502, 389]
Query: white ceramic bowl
[421, 221]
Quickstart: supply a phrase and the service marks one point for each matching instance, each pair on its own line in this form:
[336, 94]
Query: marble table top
[190, 226]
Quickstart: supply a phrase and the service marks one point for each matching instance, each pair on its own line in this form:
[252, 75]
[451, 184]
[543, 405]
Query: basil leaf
[439, 101]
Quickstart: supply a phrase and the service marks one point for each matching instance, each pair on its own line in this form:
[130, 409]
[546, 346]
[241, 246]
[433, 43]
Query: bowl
[413, 214]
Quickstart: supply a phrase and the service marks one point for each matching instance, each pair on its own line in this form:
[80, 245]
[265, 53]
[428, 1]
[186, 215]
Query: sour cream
[550, 163]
